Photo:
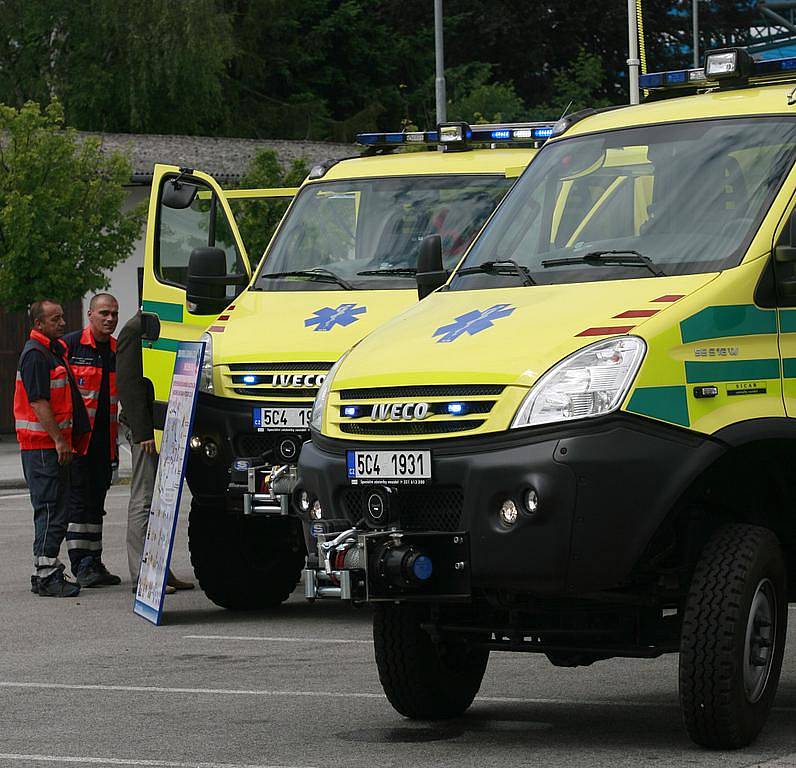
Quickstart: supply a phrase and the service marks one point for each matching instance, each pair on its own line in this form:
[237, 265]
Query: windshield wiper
[324, 275]
[624, 258]
[400, 271]
[500, 267]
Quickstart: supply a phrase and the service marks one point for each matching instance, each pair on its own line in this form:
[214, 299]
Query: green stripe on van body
[789, 367]
[733, 320]
[165, 310]
[664, 403]
[731, 370]
[165, 345]
[787, 321]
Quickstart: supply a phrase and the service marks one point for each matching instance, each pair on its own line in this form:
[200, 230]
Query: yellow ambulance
[587, 454]
[343, 260]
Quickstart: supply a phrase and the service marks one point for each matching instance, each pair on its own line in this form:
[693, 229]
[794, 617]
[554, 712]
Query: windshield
[341, 229]
[673, 199]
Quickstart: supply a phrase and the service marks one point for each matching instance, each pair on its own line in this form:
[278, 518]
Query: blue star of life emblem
[472, 322]
[328, 317]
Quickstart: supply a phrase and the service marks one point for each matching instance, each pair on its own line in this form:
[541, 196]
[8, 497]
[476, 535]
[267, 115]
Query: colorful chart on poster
[168, 483]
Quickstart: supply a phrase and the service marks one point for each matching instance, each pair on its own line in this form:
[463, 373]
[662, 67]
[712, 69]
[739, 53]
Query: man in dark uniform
[92, 357]
[137, 396]
[51, 423]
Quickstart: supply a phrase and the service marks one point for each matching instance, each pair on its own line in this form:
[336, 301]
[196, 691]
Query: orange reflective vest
[30, 433]
[86, 364]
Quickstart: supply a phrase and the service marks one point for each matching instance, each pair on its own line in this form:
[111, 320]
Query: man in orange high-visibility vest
[92, 357]
[50, 422]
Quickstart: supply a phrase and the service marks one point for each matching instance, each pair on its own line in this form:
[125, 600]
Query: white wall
[124, 276]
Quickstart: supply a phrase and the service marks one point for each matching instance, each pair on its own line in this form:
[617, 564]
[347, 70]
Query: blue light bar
[487, 134]
[770, 69]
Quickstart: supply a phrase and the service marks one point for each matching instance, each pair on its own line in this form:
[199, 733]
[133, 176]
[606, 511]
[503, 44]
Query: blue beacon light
[456, 409]
[249, 379]
[351, 411]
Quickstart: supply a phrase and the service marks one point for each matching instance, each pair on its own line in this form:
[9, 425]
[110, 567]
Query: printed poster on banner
[168, 482]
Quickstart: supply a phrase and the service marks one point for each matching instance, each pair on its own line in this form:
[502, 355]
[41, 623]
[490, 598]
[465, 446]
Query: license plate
[388, 467]
[282, 419]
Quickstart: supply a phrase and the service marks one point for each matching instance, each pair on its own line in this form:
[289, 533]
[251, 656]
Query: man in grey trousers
[137, 395]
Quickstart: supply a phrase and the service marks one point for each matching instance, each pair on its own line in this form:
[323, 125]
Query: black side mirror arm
[431, 273]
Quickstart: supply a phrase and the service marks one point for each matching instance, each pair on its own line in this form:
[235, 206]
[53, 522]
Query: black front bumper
[604, 488]
[228, 425]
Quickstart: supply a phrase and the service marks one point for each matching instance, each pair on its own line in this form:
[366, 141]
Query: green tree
[61, 223]
[257, 219]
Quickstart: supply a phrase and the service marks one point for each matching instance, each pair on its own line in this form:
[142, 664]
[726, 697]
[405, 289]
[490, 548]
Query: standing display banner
[168, 482]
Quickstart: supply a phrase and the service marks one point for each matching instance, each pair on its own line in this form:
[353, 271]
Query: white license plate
[281, 419]
[389, 467]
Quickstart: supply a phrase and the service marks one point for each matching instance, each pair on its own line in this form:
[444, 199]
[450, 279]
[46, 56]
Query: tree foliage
[257, 219]
[61, 224]
[325, 69]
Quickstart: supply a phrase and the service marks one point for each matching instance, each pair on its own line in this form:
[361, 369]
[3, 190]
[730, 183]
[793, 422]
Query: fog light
[531, 500]
[211, 449]
[509, 513]
[196, 443]
[316, 511]
[304, 501]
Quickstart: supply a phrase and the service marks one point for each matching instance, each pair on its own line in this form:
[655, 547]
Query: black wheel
[733, 637]
[423, 679]
[245, 563]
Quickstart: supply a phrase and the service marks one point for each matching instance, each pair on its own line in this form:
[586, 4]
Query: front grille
[431, 390]
[266, 394]
[409, 428]
[280, 366]
[421, 508]
[254, 443]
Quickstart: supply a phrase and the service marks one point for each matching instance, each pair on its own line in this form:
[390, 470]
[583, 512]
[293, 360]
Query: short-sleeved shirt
[35, 373]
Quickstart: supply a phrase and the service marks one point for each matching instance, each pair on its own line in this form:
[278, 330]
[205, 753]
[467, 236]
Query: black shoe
[34, 584]
[89, 576]
[108, 579]
[55, 585]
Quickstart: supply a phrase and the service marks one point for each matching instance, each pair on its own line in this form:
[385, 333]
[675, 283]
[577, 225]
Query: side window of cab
[184, 227]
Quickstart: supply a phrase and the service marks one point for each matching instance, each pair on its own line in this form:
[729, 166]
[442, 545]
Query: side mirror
[178, 194]
[150, 326]
[207, 280]
[431, 274]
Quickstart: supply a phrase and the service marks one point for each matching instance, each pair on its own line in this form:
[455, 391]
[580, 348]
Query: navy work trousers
[91, 478]
[48, 483]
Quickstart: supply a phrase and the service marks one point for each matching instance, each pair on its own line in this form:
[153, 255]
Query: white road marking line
[333, 694]
[278, 639]
[122, 761]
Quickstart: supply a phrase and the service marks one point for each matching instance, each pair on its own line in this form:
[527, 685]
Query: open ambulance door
[190, 224]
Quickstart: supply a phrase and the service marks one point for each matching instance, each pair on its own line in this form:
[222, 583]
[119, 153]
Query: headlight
[322, 395]
[591, 382]
[206, 378]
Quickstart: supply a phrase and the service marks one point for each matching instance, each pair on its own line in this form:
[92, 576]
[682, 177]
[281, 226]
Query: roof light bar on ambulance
[453, 134]
[731, 65]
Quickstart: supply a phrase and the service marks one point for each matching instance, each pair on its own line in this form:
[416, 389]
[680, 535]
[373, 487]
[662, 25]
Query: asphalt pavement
[86, 682]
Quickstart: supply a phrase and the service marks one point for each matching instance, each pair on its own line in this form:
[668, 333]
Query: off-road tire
[423, 679]
[736, 563]
[245, 563]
